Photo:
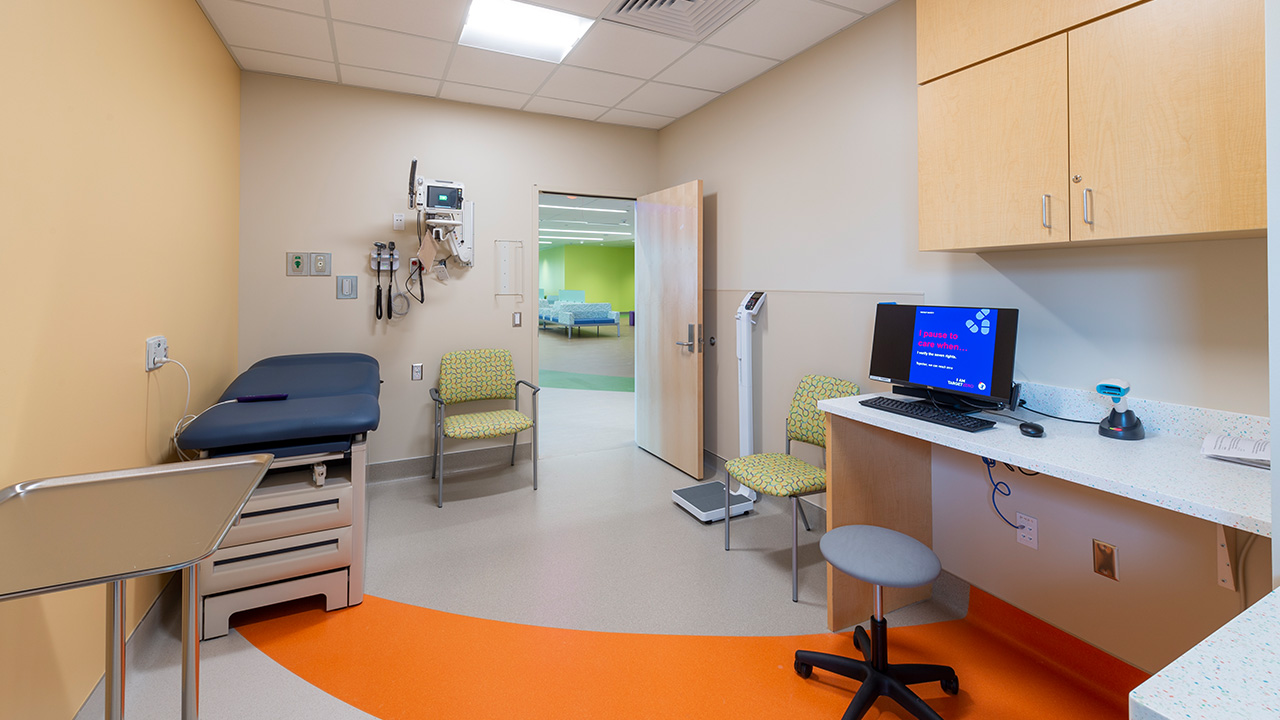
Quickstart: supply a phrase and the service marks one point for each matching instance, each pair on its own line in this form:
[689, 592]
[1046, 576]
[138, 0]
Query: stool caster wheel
[951, 686]
[804, 670]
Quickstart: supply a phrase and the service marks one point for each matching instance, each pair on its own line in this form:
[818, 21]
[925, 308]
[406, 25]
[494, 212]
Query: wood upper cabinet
[1167, 122]
[993, 152]
[1145, 124]
[951, 34]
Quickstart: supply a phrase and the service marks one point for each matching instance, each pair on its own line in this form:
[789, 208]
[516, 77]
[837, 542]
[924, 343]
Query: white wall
[324, 167]
[834, 131]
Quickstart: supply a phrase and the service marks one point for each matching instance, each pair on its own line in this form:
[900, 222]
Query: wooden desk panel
[875, 477]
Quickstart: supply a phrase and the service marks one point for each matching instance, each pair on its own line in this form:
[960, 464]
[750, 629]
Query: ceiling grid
[642, 62]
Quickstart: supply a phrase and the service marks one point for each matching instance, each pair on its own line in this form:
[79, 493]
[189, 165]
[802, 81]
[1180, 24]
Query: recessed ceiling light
[515, 28]
[544, 242]
[561, 237]
[570, 207]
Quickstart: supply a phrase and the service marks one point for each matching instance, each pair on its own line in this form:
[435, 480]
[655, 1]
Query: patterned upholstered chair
[470, 375]
[784, 475]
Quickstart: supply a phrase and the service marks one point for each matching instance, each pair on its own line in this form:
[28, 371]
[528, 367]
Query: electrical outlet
[516, 319]
[297, 264]
[415, 372]
[1028, 534]
[157, 352]
[397, 221]
[1104, 560]
[320, 263]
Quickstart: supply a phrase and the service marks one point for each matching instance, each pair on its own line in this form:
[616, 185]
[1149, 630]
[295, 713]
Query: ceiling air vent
[685, 19]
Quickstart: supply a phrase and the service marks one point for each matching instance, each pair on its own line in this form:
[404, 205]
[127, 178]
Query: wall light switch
[515, 319]
[415, 371]
[348, 286]
[297, 264]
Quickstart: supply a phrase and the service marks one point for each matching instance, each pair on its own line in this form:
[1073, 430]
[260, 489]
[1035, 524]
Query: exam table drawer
[288, 503]
[242, 566]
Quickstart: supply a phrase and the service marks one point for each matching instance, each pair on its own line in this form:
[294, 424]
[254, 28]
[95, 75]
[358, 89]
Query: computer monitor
[944, 351]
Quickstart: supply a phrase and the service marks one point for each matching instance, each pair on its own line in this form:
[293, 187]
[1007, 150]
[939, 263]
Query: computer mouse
[1031, 429]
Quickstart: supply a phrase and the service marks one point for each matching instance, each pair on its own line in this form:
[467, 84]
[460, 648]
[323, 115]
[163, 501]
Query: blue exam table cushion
[332, 397]
[314, 375]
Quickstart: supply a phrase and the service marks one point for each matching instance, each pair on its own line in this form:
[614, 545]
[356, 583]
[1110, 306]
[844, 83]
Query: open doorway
[586, 291]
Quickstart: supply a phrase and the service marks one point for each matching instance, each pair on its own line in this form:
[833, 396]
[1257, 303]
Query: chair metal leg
[514, 438]
[795, 550]
[726, 512]
[440, 466]
[805, 520]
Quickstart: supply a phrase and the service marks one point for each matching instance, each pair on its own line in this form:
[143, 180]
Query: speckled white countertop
[1234, 673]
[1166, 469]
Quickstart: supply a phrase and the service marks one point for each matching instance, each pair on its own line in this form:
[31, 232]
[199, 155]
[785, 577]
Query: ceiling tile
[498, 70]
[620, 49]
[263, 28]
[269, 62]
[589, 86]
[669, 100]
[551, 106]
[581, 8]
[395, 82]
[713, 68]
[483, 95]
[626, 117]
[439, 19]
[310, 7]
[862, 6]
[386, 50]
[781, 28]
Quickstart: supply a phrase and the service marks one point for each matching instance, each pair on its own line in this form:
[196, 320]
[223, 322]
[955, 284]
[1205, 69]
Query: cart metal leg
[114, 680]
[190, 645]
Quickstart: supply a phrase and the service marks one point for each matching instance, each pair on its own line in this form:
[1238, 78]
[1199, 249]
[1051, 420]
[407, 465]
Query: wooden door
[1167, 121]
[951, 34]
[993, 152]
[668, 305]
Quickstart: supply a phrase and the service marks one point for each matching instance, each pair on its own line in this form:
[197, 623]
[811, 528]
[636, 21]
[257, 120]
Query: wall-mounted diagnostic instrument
[443, 212]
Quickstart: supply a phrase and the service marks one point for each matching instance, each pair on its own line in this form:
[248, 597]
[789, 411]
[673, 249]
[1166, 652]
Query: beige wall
[119, 201]
[324, 168]
[835, 129]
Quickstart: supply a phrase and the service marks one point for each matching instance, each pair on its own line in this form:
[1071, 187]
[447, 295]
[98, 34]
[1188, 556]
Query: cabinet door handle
[1088, 195]
[1044, 211]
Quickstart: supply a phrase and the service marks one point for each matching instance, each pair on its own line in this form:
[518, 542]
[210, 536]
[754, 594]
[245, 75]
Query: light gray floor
[607, 354]
[599, 546]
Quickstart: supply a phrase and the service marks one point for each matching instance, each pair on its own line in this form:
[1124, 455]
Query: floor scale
[705, 501]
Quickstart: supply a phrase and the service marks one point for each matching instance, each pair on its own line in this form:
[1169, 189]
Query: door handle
[1088, 195]
[1044, 211]
[690, 343]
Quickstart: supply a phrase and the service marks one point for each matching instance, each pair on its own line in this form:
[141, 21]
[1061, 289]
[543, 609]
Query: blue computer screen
[954, 348]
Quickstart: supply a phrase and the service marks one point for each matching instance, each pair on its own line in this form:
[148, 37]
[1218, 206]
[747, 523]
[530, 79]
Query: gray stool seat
[880, 556]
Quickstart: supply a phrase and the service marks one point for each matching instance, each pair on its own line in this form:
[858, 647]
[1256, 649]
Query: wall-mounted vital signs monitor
[962, 351]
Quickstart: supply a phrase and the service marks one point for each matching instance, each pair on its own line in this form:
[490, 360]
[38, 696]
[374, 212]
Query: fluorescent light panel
[584, 232]
[559, 237]
[571, 207]
[515, 28]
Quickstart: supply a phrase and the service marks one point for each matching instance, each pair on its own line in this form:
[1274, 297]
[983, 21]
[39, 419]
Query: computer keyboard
[928, 412]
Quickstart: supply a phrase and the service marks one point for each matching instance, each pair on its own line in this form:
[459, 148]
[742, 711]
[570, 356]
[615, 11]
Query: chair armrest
[531, 386]
[535, 390]
[614, 315]
[435, 395]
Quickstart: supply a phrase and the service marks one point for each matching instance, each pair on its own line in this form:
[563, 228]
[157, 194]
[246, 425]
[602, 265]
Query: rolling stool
[881, 557]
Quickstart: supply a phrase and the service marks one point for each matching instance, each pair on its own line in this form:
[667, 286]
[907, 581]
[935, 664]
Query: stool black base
[878, 676]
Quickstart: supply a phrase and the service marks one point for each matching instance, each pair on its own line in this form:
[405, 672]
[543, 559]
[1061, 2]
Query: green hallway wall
[606, 274]
[551, 270]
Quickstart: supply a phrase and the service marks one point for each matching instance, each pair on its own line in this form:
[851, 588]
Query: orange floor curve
[394, 660]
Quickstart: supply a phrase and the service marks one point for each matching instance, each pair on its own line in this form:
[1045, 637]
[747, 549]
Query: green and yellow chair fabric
[472, 375]
[784, 475]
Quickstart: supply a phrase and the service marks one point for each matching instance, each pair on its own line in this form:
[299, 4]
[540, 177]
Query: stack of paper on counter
[1245, 451]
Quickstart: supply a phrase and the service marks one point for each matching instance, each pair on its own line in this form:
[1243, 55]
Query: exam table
[302, 532]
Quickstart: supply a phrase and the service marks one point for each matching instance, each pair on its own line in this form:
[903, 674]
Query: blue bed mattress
[332, 398]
